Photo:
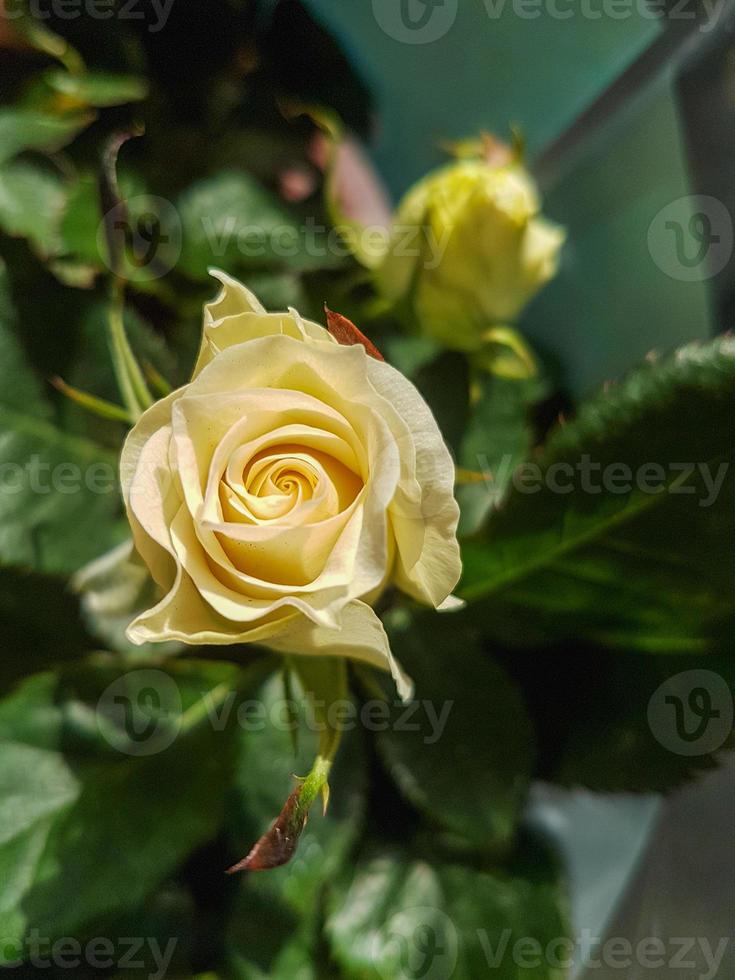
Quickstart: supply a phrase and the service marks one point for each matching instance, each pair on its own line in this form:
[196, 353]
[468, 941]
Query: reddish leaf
[278, 845]
[345, 332]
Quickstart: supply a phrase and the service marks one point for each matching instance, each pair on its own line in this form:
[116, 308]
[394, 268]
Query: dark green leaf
[92, 368]
[59, 496]
[291, 962]
[498, 437]
[168, 925]
[618, 722]
[637, 553]
[20, 388]
[31, 203]
[29, 129]
[277, 291]
[81, 221]
[231, 221]
[393, 917]
[36, 642]
[108, 780]
[463, 752]
[445, 384]
[408, 353]
[156, 941]
[60, 500]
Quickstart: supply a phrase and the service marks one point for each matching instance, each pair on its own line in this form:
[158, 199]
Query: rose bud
[468, 249]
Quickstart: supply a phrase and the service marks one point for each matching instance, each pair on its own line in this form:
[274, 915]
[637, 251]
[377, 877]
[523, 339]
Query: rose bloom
[276, 495]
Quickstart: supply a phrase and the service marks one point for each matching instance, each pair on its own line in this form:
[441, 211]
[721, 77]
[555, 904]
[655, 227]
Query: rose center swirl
[285, 481]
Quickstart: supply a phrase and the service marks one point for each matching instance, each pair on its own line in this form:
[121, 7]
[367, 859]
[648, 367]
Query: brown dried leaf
[278, 844]
[345, 332]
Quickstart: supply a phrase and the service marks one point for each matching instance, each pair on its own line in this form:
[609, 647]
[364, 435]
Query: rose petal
[361, 636]
[432, 575]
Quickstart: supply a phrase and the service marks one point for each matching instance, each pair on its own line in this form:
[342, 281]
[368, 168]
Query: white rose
[276, 495]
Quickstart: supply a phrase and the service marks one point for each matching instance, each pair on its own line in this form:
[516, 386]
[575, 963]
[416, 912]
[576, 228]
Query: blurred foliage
[580, 604]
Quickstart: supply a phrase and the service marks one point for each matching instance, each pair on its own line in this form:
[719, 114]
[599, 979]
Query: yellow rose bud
[468, 250]
[277, 494]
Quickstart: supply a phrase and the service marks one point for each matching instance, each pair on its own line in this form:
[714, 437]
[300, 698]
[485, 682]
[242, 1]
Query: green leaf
[498, 437]
[98, 89]
[170, 929]
[636, 553]
[277, 291]
[29, 129]
[20, 388]
[604, 721]
[158, 940]
[463, 752]
[60, 503]
[271, 942]
[31, 204]
[291, 959]
[80, 222]
[232, 221]
[108, 780]
[445, 384]
[59, 498]
[393, 916]
[83, 234]
[37, 642]
[408, 353]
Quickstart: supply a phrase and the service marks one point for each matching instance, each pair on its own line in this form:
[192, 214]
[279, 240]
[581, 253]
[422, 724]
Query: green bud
[468, 249]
